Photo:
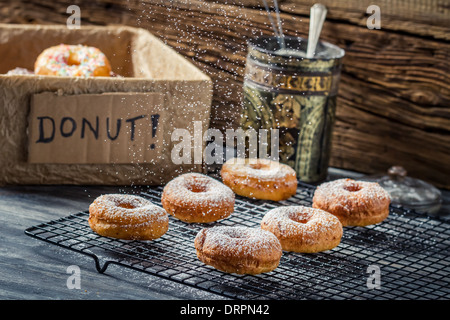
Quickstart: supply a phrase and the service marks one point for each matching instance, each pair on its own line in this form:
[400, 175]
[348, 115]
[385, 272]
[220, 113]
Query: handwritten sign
[95, 128]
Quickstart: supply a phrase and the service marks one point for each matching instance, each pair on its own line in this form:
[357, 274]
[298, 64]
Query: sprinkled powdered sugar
[242, 241]
[123, 208]
[259, 168]
[350, 190]
[196, 187]
[292, 219]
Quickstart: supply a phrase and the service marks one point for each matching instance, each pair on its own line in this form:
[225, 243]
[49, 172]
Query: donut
[197, 198]
[238, 249]
[19, 71]
[355, 203]
[72, 61]
[259, 178]
[127, 217]
[303, 229]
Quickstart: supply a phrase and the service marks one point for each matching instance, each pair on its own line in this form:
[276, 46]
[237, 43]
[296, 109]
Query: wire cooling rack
[404, 257]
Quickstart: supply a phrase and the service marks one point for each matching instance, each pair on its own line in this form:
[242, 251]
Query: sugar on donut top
[240, 240]
[349, 190]
[71, 60]
[310, 220]
[259, 168]
[194, 187]
[123, 208]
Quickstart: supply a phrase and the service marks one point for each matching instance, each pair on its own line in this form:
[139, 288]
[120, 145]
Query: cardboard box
[105, 130]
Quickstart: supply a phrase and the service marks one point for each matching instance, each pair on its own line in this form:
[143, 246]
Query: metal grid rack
[411, 251]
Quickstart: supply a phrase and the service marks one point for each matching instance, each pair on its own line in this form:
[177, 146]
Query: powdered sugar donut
[240, 250]
[195, 197]
[259, 178]
[355, 203]
[303, 229]
[72, 61]
[127, 217]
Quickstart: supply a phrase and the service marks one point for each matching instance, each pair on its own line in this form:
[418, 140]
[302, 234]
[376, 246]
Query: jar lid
[407, 191]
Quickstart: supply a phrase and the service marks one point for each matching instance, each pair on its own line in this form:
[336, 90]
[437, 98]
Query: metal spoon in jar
[318, 13]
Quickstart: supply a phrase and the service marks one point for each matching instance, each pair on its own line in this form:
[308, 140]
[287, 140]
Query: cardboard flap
[110, 127]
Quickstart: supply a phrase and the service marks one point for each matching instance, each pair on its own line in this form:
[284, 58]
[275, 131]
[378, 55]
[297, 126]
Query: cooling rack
[404, 257]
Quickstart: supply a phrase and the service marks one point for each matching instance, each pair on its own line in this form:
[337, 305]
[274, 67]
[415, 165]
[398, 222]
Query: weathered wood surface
[394, 97]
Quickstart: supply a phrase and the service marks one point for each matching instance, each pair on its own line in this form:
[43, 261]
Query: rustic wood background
[394, 97]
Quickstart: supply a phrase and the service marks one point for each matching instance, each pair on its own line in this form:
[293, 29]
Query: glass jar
[284, 90]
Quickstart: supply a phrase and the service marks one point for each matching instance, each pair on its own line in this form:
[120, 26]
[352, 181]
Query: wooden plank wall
[394, 97]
